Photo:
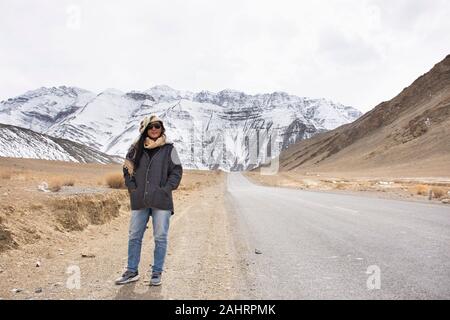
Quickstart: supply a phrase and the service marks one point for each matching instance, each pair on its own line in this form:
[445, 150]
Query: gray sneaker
[127, 277]
[156, 279]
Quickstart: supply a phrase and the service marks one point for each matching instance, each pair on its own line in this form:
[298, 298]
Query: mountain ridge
[411, 127]
[209, 129]
[25, 143]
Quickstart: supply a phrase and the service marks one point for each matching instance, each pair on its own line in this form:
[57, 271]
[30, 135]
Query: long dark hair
[140, 145]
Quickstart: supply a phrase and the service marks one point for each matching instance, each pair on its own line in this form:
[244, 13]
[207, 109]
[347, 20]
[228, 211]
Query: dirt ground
[72, 243]
[413, 188]
[43, 256]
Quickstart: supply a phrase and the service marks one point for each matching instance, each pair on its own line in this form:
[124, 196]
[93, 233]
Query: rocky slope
[18, 142]
[408, 133]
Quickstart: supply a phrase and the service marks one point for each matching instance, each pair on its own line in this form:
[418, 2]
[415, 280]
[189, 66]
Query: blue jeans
[138, 224]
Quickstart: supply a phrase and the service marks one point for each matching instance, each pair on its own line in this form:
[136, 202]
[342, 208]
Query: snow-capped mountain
[41, 108]
[18, 142]
[230, 130]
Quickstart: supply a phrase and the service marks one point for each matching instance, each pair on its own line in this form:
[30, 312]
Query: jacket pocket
[162, 192]
[160, 198]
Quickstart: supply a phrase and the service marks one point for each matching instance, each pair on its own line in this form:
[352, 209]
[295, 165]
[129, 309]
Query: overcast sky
[357, 52]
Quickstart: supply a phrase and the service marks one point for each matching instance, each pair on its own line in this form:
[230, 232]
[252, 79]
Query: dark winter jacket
[152, 184]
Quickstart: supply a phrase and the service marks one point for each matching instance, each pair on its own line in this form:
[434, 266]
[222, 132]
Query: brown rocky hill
[409, 134]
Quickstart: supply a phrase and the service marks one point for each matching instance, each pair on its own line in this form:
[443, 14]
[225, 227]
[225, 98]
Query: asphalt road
[323, 245]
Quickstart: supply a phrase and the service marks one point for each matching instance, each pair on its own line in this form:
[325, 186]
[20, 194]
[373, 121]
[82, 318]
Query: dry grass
[5, 175]
[340, 186]
[55, 184]
[190, 186]
[42, 170]
[438, 192]
[36, 206]
[365, 186]
[115, 181]
[19, 177]
[68, 181]
[16, 174]
[420, 189]
[39, 214]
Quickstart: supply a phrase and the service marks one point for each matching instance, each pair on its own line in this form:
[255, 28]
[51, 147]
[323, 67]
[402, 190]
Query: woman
[152, 169]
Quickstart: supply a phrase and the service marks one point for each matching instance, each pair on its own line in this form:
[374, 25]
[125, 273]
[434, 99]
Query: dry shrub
[438, 192]
[366, 185]
[340, 186]
[185, 187]
[55, 184]
[68, 181]
[36, 206]
[5, 175]
[190, 185]
[115, 181]
[421, 189]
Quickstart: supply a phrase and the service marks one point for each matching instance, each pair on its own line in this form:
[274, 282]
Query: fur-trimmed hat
[147, 120]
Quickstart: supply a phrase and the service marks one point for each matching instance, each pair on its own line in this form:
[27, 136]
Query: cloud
[358, 52]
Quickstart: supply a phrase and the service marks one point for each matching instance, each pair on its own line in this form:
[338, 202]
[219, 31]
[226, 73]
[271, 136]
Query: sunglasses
[156, 126]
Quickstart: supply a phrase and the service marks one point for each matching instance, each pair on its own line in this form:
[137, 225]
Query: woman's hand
[130, 182]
